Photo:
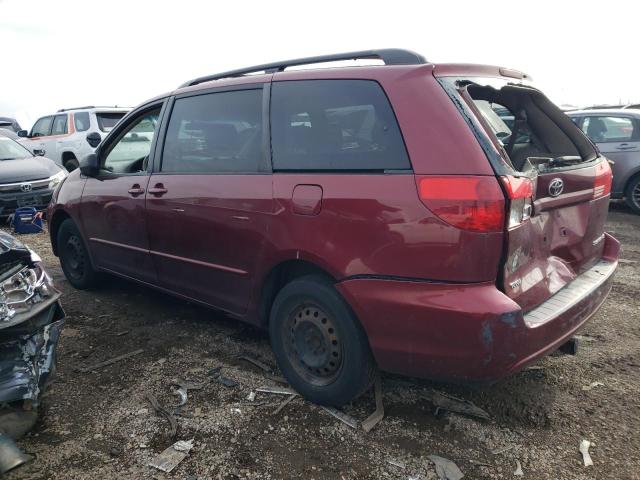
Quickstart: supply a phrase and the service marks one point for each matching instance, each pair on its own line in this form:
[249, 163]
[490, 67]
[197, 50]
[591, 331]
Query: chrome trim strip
[116, 244]
[571, 294]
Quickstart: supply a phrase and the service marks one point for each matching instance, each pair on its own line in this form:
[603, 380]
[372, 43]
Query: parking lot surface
[99, 424]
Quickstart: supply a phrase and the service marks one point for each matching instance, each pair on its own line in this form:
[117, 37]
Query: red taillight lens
[470, 203]
[602, 182]
[520, 193]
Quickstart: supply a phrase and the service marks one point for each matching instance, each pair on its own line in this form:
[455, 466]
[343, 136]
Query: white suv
[72, 133]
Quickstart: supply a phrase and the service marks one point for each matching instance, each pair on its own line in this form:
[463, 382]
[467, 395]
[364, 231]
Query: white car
[71, 133]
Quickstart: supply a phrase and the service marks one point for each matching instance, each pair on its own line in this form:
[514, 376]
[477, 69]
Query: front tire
[318, 342]
[632, 194]
[74, 257]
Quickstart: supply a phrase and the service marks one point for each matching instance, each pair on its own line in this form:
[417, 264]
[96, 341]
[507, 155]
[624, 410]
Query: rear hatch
[556, 183]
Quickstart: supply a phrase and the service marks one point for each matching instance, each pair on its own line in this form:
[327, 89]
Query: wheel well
[68, 156]
[54, 225]
[279, 276]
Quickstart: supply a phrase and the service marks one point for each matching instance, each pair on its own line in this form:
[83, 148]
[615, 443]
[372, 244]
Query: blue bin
[27, 220]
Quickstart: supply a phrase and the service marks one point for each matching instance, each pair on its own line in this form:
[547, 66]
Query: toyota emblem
[25, 187]
[555, 187]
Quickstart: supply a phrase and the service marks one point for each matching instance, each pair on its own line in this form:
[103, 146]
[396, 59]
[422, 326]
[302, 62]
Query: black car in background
[26, 180]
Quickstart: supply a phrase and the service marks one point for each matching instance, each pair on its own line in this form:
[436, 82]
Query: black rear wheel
[319, 343]
[74, 257]
[633, 194]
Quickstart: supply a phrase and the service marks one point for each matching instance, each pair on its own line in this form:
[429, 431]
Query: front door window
[130, 153]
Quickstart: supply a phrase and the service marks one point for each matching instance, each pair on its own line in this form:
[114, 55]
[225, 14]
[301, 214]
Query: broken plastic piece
[592, 385]
[584, 450]
[446, 469]
[251, 397]
[182, 393]
[343, 417]
[457, 405]
[377, 416]
[10, 455]
[395, 463]
[227, 382]
[518, 472]
[172, 456]
[283, 404]
[173, 423]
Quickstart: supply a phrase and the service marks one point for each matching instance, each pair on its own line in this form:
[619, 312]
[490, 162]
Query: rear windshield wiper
[547, 163]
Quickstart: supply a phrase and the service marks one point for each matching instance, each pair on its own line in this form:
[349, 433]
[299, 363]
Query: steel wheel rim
[635, 195]
[312, 344]
[74, 258]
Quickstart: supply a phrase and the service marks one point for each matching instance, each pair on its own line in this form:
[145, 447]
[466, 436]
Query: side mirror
[39, 152]
[90, 165]
[23, 133]
[94, 139]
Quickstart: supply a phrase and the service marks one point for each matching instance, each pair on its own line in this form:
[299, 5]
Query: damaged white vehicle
[31, 320]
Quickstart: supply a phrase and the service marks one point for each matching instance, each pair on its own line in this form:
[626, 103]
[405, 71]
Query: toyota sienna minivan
[370, 217]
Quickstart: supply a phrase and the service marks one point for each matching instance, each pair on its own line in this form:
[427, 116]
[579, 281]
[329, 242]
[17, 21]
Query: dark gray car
[616, 132]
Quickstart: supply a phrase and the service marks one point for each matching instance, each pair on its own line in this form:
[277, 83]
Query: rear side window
[609, 129]
[42, 127]
[108, 120]
[81, 121]
[216, 132]
[334, 125]
[59, 125]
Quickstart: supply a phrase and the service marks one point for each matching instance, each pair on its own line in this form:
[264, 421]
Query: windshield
[108, 120]
[11, 150]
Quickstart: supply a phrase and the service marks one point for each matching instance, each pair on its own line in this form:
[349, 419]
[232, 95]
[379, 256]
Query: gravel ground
[99, 424]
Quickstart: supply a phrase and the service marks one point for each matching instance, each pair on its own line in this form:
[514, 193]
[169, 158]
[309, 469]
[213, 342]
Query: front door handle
[136, 190]
[158, 190]
[624, 146]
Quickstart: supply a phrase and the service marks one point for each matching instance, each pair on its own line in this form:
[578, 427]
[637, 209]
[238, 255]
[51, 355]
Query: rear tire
[632, 194]
[318, 342]
[74, 257]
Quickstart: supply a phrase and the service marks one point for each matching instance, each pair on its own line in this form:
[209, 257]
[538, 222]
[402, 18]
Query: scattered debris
[215, 372]
[480, 464]
[251, 397]
[585, 338]
[236, 410]
[173, 423]
[446, 469]
[592, 385]
[284, 403]
[187, 385]
[255, 362]
[182, 393]
[227, 382]
[395, 463]
[10, 455]
[518, 472]
[377, 416]
[498, 451]
[584, 450]
[109, 362]
[343, 417]
[172, 456]
[121, 334]
[452, 404]
[276, 390]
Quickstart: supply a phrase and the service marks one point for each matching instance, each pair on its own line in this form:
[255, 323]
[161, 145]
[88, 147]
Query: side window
[334, 125]
[42, 127]
[130, 152]
[81, 121]
[215, 132]
[609, 129]
[59, 125]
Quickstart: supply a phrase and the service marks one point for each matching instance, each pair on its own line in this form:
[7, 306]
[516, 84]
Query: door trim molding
[200, 262]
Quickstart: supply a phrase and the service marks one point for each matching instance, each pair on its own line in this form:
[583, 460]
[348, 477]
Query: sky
[68, 53]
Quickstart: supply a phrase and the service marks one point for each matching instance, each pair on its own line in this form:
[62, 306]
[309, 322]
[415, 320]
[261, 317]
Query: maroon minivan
[370, 216]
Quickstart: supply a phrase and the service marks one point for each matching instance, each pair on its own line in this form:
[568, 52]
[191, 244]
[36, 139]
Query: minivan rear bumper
[471, 332]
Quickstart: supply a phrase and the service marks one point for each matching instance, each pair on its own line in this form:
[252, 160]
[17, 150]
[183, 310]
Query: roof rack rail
[390, 56]
[90, 106]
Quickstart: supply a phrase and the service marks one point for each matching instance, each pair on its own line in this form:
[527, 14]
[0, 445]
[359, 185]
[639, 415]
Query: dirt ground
[99, 425]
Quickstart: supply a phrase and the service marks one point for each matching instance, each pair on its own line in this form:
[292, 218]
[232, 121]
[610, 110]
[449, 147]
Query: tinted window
[217, 132]
[81, 121]
[608, 129]
[59, 125]
[108, 120]
[334, 125]
[42, 127]
[130, 153]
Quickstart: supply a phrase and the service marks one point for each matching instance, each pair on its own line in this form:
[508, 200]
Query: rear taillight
[602, 182]
[468, 202]
[520, 193]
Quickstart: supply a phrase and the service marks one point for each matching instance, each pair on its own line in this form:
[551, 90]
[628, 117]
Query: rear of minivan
[528, 207]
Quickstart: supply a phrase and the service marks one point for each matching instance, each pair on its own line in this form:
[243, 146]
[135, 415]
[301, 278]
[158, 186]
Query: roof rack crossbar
[390, 56]
[86, 107]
